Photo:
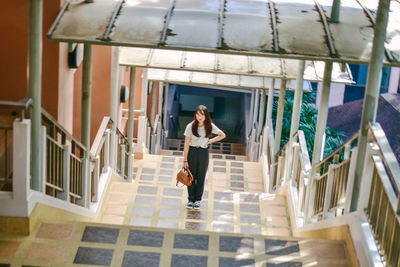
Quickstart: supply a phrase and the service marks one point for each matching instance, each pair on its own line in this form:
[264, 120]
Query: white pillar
[261, 113]
[131, 122]
[114, 104]
[279, 118]
[319, 134]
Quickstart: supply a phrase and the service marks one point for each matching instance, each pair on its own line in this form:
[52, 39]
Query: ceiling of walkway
[245, 66]
[293, 29]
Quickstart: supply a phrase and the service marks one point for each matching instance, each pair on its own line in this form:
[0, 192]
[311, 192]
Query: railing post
[107, 151]
[43, 160]
[295, 161]
[21, 159]
[366, 180]
[141, 134]
[122, 161]
[328, 190]
[347, 149]
[64, 195]
[350, 179]
[96, 175]
[86, 183]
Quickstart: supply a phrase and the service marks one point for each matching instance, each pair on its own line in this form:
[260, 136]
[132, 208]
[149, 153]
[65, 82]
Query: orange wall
[14, 50]
[101, 69]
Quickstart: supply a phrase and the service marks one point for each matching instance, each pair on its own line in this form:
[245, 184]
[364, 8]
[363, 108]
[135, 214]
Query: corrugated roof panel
[150, 19]
[203, 78]
[233, 63]
[228, 80]
[252, 82]
[178, 76]
[353, 35]
[138, 58]
[85, 21]
[269, 66]
[161, 58]
[183, 27]
[298, 23]
[393, 30]
[200, 61]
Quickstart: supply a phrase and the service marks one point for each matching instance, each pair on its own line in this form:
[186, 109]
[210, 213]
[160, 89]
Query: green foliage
[308, 122]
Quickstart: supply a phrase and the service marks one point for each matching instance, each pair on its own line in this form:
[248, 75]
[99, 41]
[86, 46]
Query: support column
[298, 96]
[371, 93]
[131, 122]
[251, 112]
[165, 117]
[35, 84]
[261, 113]
[85, 122]
[335, 12]
[319, 134]
[153, 104]
[279, 118]
[270, 104]
[114, 104]
[145, 85]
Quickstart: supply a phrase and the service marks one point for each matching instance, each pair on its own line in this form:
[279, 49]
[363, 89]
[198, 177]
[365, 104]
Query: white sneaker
[189, 205]
[197, 205]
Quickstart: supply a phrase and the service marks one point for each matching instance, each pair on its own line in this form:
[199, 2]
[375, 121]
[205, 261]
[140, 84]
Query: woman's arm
[221, 135]
[186, 152]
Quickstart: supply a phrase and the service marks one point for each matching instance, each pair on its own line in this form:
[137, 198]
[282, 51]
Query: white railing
[330, 193]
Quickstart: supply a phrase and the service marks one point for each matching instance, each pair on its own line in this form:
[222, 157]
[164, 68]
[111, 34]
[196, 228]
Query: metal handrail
[53, 121]
[96, 146]
[21, 105]
[337, 150]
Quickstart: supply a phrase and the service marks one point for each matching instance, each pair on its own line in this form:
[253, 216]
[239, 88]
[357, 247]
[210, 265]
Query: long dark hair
[207, 122]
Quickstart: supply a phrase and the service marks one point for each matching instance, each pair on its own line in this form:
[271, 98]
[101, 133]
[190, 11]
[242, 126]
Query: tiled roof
[347, 118]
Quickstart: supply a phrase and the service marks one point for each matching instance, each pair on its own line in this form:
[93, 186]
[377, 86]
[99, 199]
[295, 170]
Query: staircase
[146, 224]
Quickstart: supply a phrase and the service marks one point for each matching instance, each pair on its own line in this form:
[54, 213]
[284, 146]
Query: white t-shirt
[202, 140]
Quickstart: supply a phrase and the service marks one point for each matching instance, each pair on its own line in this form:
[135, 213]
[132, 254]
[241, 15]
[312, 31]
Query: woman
[195, 152]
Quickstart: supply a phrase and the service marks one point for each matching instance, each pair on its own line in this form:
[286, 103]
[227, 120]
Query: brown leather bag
[185, 177]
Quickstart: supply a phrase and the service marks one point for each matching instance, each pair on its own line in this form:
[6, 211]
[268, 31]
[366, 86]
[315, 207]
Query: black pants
[198, 165]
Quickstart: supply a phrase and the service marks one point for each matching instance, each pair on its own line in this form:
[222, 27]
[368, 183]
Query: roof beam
[171, 8]
[328, 33]
[272, 11]
[110, 26]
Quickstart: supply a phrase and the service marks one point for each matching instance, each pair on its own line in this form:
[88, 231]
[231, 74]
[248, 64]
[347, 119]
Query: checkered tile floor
[83, 244]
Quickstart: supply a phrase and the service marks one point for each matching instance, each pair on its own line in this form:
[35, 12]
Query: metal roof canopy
[219, 80]
[297, 29]
[228, 64]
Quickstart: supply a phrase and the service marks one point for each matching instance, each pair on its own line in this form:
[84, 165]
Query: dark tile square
[145, 238]
[172, 192]
[232, 262]
[219, 163]
[237, 164]
[226, 152]
[146, 177]
[285, 264]
[223, 217]
[219, 169]
[164, 179]
[281, 247]
[166, 172]
[145, 200]
[230, 157]
[223, 206]
[240, 171]
[171, 202]
[245, 218]
[237, 184]
[167, 165]
[223, 227]
[236, 244]
[237, 189]
[217, 156]
[95, 256]
[100, 234]
[179, 260]
[7, 265]
[237, 177]
[142, 211]
[223, 196]
[249, 208]
[249, 198]
[168, 159]
[177, 153]
[152, 190]
[136, 258]
[148, 170]
[189, 241]
[172, 148]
